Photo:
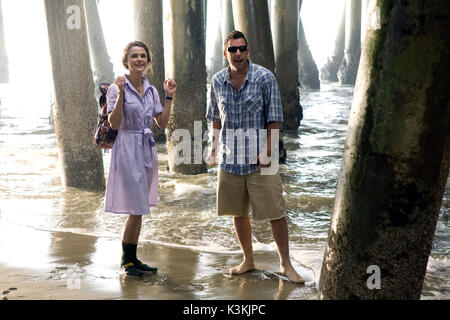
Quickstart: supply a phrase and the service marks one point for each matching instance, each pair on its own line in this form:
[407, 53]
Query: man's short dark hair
[234, 35]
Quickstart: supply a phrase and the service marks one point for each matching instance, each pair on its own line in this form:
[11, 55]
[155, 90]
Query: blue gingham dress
[242, 113]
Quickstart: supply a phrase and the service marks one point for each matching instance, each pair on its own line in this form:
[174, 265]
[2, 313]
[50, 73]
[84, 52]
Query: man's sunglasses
[234, 49]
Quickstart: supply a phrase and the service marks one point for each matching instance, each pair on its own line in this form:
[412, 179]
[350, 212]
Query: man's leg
[281, 237]
[232, 199]
[244, 235]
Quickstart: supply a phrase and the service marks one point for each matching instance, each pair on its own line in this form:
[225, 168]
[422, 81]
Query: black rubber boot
[142, 266]
[128, 262]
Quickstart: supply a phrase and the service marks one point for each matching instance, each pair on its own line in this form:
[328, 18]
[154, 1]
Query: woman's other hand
[170, 87]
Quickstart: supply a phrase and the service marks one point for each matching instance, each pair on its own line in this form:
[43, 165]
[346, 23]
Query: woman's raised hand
[120, 82]
[170, 86]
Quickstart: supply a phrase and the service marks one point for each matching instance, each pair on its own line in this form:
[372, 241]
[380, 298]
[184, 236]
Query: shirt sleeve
[158, 108]
[111, 97]
[272, 100]
[212, 112]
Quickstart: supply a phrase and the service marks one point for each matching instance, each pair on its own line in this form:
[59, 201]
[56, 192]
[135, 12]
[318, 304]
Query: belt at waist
[149, 143]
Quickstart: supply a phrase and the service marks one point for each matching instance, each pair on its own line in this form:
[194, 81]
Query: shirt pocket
[131, 105]
[224, 105]
[228, 112]
[254, 104]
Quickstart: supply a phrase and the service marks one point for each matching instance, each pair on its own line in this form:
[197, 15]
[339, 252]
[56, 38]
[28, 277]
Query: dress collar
[146, 84]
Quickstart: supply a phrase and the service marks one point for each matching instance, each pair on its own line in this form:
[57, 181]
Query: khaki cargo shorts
[236, 193]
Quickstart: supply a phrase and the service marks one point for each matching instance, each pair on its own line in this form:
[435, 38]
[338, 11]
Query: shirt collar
[250, 74]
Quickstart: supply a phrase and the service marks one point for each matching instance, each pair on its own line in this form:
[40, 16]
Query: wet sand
[48, 265]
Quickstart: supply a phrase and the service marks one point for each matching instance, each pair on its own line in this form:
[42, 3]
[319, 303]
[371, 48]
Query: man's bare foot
[291, 274]
[244, 267]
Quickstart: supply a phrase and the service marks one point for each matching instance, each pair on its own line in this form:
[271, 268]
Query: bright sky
[320, 20]
[27, 47]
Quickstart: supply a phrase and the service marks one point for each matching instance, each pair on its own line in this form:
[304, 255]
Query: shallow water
[32, 196]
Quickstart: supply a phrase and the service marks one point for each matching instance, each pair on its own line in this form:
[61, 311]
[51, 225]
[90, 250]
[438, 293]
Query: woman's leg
[132, 229]
[130, 240]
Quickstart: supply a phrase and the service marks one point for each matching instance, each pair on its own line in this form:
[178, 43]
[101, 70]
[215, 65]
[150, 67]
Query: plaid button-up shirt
[250, 109]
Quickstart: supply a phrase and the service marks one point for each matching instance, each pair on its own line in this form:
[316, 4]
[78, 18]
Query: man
[245, 99]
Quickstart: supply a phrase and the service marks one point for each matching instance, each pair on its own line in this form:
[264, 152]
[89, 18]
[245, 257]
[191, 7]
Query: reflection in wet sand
[86, 267]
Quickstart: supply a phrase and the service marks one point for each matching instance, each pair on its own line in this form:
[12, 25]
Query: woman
[132, 186]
